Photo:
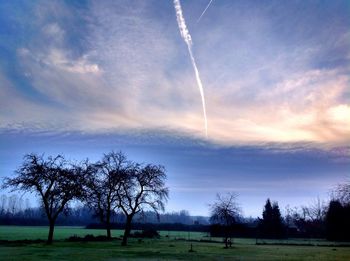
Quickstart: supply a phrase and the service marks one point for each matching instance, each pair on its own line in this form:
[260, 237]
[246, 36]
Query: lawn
[171, 246]
[40, 232]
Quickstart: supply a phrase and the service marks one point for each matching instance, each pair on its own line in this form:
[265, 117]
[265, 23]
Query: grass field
[171, 246]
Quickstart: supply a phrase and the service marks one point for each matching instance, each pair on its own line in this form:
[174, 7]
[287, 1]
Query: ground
[171, 246]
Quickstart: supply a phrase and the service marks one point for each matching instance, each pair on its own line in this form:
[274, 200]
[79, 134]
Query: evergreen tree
[277, 221]
[271, 225]
[337, 221]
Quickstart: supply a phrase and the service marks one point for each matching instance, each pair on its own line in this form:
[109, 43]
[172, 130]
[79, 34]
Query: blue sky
[85, 77]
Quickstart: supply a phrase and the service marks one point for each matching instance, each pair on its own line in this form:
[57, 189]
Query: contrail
[204, 11]
[188, 40]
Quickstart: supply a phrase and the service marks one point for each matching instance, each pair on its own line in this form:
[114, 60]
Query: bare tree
[3, 201]
[102, 184]
[342, 193]
[53, 179]
[225, 211]
[12, 204]
[316, 211]
[144, 188]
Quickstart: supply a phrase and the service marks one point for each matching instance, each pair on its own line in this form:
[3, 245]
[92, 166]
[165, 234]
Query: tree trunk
[109, 236]
[127, 230]
[108, 227]
[51, 230]
[226, 237]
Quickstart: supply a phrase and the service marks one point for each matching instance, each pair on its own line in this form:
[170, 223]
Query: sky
[83, 78]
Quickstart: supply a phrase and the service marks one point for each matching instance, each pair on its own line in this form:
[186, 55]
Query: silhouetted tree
[102, 185]
[342, 193]
[337, 221]
[334, 220]
[310, 220]
[3, 201]
[53, 179]
[271, 225]
[225, 211]
[315, 212]
[338, 214]
[144, 187]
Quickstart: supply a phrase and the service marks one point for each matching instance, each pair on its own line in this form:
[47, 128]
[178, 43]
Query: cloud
[121, 66]
[26, 112]
[54, 32]
[297, 108]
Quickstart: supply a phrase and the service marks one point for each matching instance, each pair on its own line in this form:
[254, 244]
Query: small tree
[102, 185]
[53, 179]
[144, 187]
[225, 211]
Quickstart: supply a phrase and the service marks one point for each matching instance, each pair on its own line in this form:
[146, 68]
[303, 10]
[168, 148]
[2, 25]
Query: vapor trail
[204, 11]
[188, 40]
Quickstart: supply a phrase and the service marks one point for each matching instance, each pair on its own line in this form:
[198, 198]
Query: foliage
[146, 233]
[271, 225]
[87, 238]
[337, 221]
[338, 214]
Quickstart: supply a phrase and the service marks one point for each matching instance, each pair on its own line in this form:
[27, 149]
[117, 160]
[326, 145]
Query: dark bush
[87, 238]
[147, 233]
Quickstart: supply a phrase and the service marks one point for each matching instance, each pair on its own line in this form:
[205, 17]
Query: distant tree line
[318, 220]
[16, 210]
[314, 221]
[115, 192]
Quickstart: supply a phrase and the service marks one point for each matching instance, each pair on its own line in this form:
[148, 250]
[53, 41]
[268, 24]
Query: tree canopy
[55, 180]
[271, 225]
[144, 189]
[102, 186]
[225, 212]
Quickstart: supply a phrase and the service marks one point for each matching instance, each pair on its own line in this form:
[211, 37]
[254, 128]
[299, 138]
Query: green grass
[169, 248]
[61, 232]
[41, 232]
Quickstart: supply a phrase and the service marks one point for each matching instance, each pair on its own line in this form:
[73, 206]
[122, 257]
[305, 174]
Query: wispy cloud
[124, 67]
